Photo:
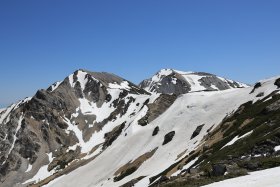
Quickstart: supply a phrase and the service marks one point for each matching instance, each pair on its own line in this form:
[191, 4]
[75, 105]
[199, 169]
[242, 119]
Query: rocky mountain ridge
[170, 81]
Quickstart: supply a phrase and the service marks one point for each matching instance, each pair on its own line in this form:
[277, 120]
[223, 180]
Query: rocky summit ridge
[170, 81]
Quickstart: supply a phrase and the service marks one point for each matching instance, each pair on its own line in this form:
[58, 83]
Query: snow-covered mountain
[170, 81]
[97, 129]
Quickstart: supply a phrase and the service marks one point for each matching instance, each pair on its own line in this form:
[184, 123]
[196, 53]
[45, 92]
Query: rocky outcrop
[168, 137]
[132, 182]
[257, 85]
[155, 109]
[155, 132]
[110, 137]
[132, 166]
[272, 107]
[197, 131]
[277, 82]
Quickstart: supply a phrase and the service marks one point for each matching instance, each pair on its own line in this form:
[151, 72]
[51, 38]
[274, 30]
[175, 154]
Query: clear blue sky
[42, 41]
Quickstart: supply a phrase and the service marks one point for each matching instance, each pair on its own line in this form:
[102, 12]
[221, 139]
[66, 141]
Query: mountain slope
[183, 118]
[171, 81]
[66, 122]
[97, 129]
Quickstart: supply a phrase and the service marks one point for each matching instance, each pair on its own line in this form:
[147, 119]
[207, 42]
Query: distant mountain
[170, 81]
[175, 129]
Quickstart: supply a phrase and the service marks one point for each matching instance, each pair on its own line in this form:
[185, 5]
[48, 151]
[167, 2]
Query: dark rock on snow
[257, 85]
[197, 131]
[277, 82]
[155, 132]
[168, 137]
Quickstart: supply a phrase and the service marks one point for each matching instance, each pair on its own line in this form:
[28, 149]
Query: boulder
[261, 94]
[155, 132]
[197, 131]
[168, 137]
[193, 170]
[218, 169]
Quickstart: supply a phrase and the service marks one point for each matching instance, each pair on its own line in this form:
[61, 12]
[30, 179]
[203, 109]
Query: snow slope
[189, 111]
[264, 178]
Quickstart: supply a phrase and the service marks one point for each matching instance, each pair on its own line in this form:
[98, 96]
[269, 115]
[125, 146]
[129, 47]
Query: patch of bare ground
[132, 166]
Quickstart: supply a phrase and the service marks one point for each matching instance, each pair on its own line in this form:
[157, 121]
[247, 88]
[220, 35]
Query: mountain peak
[170, 81]
[84, 81]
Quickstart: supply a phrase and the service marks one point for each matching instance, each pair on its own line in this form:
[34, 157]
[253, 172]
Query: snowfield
[188, 111]
[264, 178]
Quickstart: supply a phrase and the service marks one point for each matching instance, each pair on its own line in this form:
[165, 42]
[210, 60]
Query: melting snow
[101, 113]
[15, 136]
[29, 168]
[194, 81]
[55, 86]
[277, 148]
[124, 85]
[160, 74]
[237, 138]
[6, 113]
[143, 182]
[186, 166]
[82, 78]
[174, 80]
[40, 175]
[4, 117]
[71, 80]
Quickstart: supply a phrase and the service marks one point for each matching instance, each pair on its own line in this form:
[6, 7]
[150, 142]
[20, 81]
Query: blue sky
[44, 41]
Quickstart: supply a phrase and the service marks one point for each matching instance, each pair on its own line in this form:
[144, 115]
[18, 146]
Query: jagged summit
[170, 81]
[82, 79]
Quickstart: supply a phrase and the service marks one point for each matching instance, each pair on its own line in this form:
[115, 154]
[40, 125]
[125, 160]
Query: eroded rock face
[113, 135]
[42, 130]
[162, 103]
